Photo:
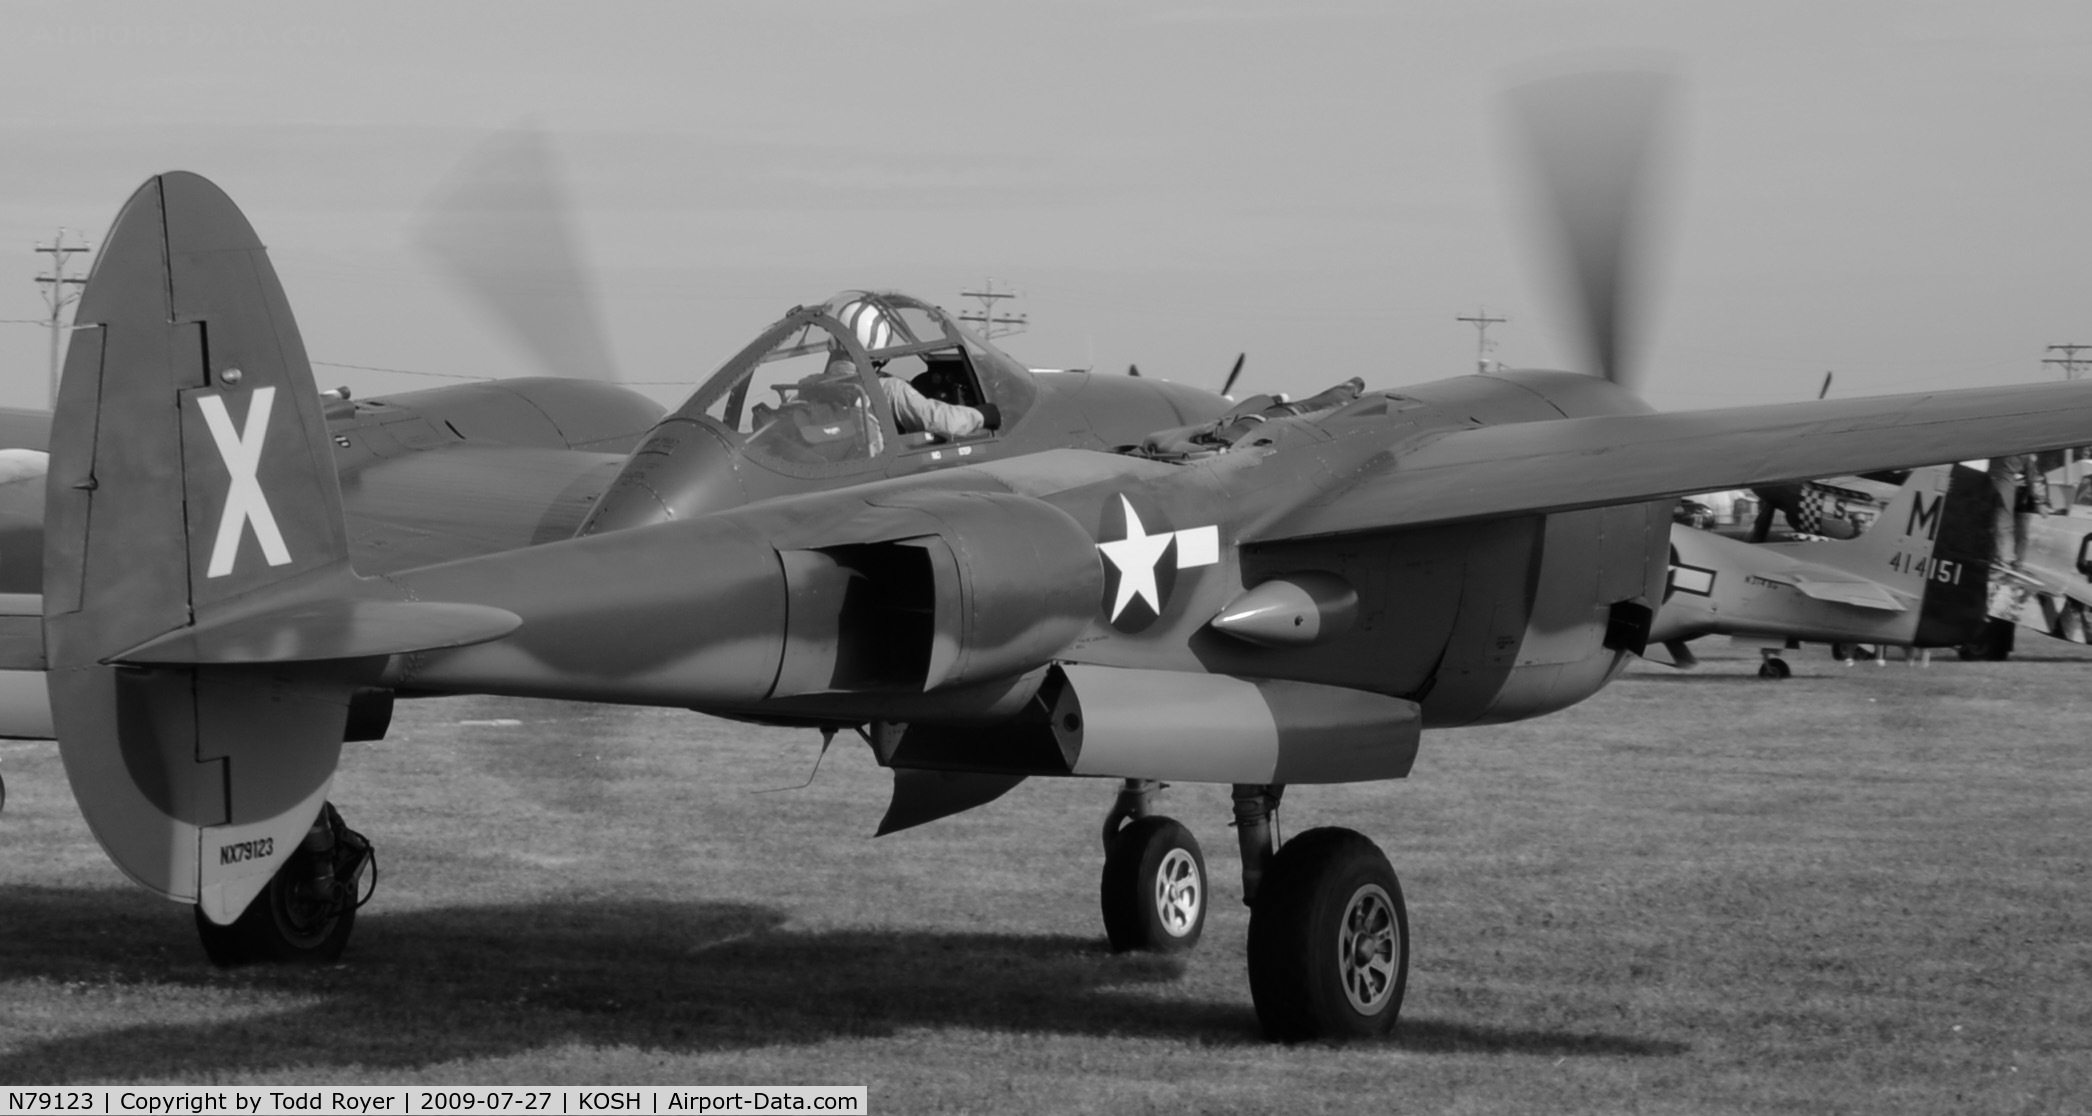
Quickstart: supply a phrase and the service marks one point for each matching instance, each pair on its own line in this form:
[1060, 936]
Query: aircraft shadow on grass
[421, 988]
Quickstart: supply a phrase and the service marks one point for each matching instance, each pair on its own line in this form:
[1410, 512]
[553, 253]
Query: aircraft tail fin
[191, 478]
[1933, 543]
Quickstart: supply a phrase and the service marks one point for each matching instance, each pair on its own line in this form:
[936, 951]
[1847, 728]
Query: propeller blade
[1826, 389]
[1133, 370]
[1593, 140]
[1229, 384]
[502, 226]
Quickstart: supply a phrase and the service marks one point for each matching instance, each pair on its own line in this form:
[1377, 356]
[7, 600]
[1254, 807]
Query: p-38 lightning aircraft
[453, 472]
[1268, 597]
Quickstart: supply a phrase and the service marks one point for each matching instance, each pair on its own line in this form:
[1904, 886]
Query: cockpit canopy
[805, 397]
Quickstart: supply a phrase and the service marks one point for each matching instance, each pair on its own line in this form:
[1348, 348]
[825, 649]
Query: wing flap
[1566, 464]
[1858, 593]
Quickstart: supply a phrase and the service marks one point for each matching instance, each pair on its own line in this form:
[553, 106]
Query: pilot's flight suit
[913, 411]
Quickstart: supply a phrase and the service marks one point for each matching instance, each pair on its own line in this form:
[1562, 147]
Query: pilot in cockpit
[915, 412]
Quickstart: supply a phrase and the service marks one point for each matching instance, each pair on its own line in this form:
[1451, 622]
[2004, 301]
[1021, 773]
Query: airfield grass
[1861, 890]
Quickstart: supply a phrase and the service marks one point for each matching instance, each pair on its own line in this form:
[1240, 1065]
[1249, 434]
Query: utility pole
[987, 318]
[1482, 321]
[2073, 365]
[60, 291]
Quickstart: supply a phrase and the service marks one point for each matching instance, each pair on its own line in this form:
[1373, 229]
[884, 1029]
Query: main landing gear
[1154, 887]
[309, 908]
[1328, 930]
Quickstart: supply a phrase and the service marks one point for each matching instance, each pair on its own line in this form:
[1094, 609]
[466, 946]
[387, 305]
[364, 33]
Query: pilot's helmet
[868, 322]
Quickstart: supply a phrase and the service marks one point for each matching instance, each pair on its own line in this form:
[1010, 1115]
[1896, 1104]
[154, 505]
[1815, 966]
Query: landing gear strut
[309, 907]
[1153, 891]
[1328, 930]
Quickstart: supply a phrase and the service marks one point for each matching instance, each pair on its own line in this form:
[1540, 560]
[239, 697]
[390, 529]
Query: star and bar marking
[1137, 554]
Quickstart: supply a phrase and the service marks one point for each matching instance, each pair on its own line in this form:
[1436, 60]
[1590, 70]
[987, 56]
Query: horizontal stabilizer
[318, 631]
[1860, 594]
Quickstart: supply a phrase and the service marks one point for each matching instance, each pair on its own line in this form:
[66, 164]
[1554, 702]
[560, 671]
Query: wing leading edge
[1562, 465]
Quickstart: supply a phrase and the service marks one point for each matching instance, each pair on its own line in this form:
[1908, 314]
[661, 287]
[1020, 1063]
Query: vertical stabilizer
[1934, 543]
[190, 468]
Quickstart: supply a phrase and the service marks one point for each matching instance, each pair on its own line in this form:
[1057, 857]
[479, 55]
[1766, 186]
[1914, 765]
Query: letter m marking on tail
[244, 501]
[1924, 517]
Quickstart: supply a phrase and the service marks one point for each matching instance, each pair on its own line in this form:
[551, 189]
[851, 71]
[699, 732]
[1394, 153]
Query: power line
[60, 291]
[987, 319]
[1482, 321]
[400, 371]
[2072, 364]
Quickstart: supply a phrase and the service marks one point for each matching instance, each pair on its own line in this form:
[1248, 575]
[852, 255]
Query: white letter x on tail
[244, 502]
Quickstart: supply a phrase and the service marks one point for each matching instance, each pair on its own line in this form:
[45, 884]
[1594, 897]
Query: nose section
[683, 469]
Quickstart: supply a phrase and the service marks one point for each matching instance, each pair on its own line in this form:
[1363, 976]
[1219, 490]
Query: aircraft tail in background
[1918, 577]
[1934, 543]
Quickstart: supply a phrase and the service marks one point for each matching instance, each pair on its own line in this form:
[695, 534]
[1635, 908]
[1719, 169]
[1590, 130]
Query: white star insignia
[1135, 556]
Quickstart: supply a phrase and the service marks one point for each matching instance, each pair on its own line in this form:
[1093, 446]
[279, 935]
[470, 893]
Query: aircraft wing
[1565, 464]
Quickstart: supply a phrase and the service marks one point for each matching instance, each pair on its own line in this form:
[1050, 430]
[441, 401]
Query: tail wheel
[308, 910]
[1154, 888]
[1328, 940]
[1774, 669]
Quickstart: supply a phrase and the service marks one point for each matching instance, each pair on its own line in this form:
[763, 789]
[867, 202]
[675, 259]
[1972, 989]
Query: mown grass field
[1862, 890]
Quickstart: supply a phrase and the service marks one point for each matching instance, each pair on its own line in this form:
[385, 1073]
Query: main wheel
[1993, 642]
[308, 910]
[1154, 888]
[279, 925]
[1328, 940]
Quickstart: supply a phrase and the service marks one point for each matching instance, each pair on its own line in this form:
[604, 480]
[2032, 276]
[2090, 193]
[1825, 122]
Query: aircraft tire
[1775, 669]
[1154, 888]
[1993, 643]
[282, 925]
[1328, 940]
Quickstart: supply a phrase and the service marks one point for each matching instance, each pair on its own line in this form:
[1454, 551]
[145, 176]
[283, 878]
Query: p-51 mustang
[1285, 596]
[1917, 578]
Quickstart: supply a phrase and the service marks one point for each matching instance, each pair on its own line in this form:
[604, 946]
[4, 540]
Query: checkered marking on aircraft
[241, 450]
[1137, 554]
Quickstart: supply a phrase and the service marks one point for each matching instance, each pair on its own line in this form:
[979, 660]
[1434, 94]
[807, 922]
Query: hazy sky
[1894, 190]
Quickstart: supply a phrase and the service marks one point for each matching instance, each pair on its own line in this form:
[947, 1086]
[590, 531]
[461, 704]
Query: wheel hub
[1178, 893]
[1366, 949]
